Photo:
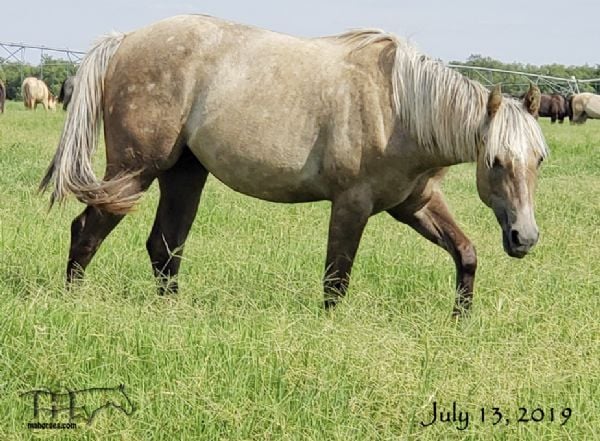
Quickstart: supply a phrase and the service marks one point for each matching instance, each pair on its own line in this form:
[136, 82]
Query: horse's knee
[155, 247]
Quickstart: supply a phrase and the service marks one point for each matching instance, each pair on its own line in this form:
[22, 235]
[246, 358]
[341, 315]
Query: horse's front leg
[349, 215]
[435, 223]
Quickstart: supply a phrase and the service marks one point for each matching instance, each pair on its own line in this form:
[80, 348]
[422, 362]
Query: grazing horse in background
[2, 96]
[554, 106]
[35, 91]
[583, 106]
[66, 91]
[361, 119]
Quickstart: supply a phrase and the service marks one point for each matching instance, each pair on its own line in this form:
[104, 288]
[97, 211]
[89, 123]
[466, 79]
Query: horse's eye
[540, 161]
[496, 163]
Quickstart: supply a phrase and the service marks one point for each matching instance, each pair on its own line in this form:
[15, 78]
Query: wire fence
[520, 80]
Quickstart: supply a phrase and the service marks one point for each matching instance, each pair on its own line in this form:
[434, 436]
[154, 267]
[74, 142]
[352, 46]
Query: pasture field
[245, 352]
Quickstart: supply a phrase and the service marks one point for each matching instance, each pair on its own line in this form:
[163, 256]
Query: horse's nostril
[514, 237]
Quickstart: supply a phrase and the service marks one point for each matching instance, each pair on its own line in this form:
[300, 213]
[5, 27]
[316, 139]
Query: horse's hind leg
[436, 224]
[349, 215]
[579, 118]
[180, 190]
[90, 228]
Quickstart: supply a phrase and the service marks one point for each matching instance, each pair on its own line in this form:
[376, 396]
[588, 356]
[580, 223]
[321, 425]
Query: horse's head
[51, 101]
[507, 168]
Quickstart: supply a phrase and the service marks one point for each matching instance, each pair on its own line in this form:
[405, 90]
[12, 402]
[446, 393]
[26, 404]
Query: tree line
[54, 71]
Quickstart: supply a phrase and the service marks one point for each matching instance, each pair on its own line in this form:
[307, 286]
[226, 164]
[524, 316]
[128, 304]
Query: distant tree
[13, 74]
[54, 72]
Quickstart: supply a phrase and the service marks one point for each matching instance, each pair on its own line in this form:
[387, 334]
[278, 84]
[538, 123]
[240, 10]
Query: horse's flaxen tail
[71, 168]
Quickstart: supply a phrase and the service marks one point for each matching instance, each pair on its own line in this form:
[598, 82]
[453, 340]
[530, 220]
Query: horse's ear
[532, 99]
[494, 101]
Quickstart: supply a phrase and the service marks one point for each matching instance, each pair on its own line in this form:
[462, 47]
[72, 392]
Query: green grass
[245, 352]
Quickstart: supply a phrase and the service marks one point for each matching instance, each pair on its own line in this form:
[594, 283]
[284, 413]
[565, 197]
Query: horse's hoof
[460, 313]
[169, 288]
[330, 304]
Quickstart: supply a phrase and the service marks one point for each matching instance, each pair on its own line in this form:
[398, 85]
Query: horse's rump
[592, 107]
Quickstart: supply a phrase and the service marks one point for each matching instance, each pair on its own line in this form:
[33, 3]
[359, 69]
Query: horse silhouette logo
[78, 405]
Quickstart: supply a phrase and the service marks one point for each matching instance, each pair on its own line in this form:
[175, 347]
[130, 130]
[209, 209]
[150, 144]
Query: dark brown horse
[554, 106]
[362, 120]
[2, 96]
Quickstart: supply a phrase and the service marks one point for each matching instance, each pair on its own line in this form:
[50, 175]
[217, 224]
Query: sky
[527, 31]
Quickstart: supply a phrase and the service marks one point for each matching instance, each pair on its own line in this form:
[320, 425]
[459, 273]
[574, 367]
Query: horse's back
[199, 55]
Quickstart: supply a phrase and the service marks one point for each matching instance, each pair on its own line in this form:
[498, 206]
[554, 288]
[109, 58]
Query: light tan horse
[35, 91]
[360, 119]
[585, 105]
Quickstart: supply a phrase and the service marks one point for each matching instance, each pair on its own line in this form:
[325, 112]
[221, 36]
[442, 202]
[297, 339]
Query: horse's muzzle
[517, 244]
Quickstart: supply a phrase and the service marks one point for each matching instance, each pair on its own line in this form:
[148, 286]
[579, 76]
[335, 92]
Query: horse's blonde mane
[445, 111]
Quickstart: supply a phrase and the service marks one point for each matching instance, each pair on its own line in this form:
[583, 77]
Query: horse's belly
[264, 172]
[270, 150]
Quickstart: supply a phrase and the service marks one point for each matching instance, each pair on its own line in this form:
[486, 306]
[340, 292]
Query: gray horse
[361, 119]
[66, 91]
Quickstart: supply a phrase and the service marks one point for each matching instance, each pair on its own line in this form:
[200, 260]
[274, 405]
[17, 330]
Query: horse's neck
[444, 155]
[447, 123]
[467, 120]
